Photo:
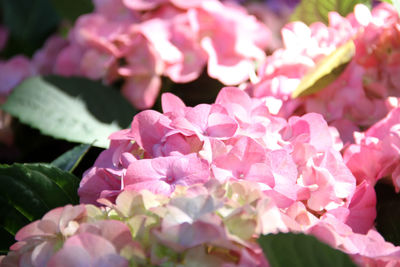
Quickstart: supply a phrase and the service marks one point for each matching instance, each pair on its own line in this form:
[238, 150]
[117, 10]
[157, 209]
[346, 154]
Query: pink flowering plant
[363, 93]
[295, 162]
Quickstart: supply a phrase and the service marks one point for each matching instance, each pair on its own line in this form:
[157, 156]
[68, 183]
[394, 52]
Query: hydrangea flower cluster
[196, 186]
[209, 225]
[139, 41]
[234, 138]
[367, 89]
[200, 184]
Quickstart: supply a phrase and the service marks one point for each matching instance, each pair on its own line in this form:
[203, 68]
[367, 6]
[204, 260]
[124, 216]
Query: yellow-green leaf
[325, 71]
[310, 11]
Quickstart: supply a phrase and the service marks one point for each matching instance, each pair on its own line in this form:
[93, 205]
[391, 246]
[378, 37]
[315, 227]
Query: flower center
[169, 179]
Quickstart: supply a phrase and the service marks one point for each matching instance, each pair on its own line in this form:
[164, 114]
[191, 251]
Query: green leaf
[30, 22]
[298, 250]
[310, 11]
[72, 9]
[388, 213]
[70, 159]
[326, 71]
[28, 191]
[74, 109]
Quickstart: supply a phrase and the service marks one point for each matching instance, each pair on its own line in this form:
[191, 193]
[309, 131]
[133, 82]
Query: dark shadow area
[388, 212]
[200, 91]
[31, 146]
[29, 23]
[7, 240]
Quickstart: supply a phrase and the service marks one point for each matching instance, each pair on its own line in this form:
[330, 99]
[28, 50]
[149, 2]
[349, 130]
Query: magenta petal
[148, 128]
[362, 209]
[198, 115]
[145, 170]
[94, 182]
[172, 103]
[221, 126]
[229, 95]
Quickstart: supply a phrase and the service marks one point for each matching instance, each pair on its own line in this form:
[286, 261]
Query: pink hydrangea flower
[205, 224]
[140, 41]
[376, 153]
[72, 236]
[176, 44]
[234, 45]
[365, 249]
[142, 72]
[37, 241]
[359, 96]
[295, 160]
[162, 175]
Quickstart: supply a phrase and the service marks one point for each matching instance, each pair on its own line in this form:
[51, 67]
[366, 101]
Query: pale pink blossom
[37, 240]
[358, 97]
[206, 121]
[176, 44]
[234, 45]
[87, 249]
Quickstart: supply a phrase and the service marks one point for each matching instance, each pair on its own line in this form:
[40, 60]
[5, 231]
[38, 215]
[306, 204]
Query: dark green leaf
[326, 71]
[30, 22]
[72, 9]
[70, 159]
[298, 250]
[74, 109]
[310, 11]
[28, 191]
[6, 240]
[388, 213]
